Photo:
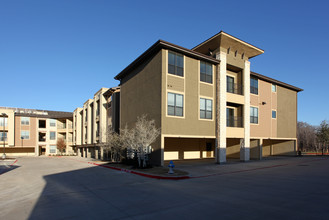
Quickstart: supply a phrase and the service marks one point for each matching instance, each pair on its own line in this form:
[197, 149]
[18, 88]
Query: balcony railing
[234, 88]
[61, 126]
[234, 121]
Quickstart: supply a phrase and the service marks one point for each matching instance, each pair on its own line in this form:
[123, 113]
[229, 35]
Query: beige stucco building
[93, 120]
[208, 103]
[31, 132]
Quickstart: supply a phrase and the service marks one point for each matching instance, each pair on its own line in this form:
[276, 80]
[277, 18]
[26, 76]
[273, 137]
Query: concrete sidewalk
[205, 168]
[208, 168]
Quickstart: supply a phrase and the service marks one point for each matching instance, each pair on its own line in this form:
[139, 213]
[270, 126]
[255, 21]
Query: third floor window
[254, 85]
[175, 64]
[205, 72]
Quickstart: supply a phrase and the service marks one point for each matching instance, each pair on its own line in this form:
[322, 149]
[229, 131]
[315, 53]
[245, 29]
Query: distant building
[31, 132]
[92, 122]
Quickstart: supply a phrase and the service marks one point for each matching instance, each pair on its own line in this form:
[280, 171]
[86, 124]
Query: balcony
[61, 126]
[234, 88]
[234, 122]
[42, 137]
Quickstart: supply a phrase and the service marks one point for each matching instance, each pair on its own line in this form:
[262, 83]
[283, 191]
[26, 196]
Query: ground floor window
[52, 149]
[25, 135]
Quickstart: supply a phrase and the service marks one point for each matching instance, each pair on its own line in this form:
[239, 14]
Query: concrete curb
[142, 174]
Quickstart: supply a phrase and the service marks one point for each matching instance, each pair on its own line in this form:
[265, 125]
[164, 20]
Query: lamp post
[4, 115]
[22, 140]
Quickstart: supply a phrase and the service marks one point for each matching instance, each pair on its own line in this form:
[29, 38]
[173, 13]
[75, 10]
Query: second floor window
[175, 64]
[254, 85]
[52, 135]
[25, 121]
[205, 72]
[3, 136]
[253, 115]
[175, 104]
[205, 108]
[3, 121]
[230, 84]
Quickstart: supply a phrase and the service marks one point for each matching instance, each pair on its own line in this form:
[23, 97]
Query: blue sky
[55, 55]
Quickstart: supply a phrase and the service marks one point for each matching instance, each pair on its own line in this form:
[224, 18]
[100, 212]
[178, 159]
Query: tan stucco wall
[141, 94]
[278, 147]
[233, 148]
[189, 124]
[266, 127]
[10, 128]
[32, 142]
[254, 149]
[286, 113]
[187, 148]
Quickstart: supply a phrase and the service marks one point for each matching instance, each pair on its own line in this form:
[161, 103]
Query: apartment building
[31, 132]
[92, 122]
[208, 103]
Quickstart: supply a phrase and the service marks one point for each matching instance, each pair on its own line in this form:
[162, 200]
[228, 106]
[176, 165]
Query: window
[52, 149]
[205, 72]
[205, 108]
[175, 64]
[52, 122]
[254, 115]
[254, 85]
[25, 135]
[25, 121]
[273, 114]
[52, 135]
[3, 136]
[175, 104]
[5, 120]
[273, 88]
[230, 84]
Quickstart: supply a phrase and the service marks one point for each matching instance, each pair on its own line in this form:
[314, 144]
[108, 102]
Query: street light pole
[4, 115]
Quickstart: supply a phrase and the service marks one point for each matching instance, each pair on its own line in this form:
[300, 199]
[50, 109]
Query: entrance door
[42, 150]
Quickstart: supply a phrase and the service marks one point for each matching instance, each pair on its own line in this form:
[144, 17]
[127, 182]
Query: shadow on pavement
[6, 168]
[79, 194]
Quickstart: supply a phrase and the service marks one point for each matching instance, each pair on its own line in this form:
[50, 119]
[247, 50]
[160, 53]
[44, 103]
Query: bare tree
[113, 145]
[322, 134]
[61, 145]
[140, 138]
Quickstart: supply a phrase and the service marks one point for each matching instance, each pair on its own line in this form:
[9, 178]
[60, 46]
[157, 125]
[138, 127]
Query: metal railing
[234, 88]
[61, 126]
[234, 121]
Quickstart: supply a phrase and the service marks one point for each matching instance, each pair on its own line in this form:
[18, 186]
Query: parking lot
[72, 188]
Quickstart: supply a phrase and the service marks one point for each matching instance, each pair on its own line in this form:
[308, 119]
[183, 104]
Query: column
[245, 147]
[260, 147]
[220, 148]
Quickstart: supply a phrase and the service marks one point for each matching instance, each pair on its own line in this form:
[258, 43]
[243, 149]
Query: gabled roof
[227, 40]
[277, 82]
[160, 44]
